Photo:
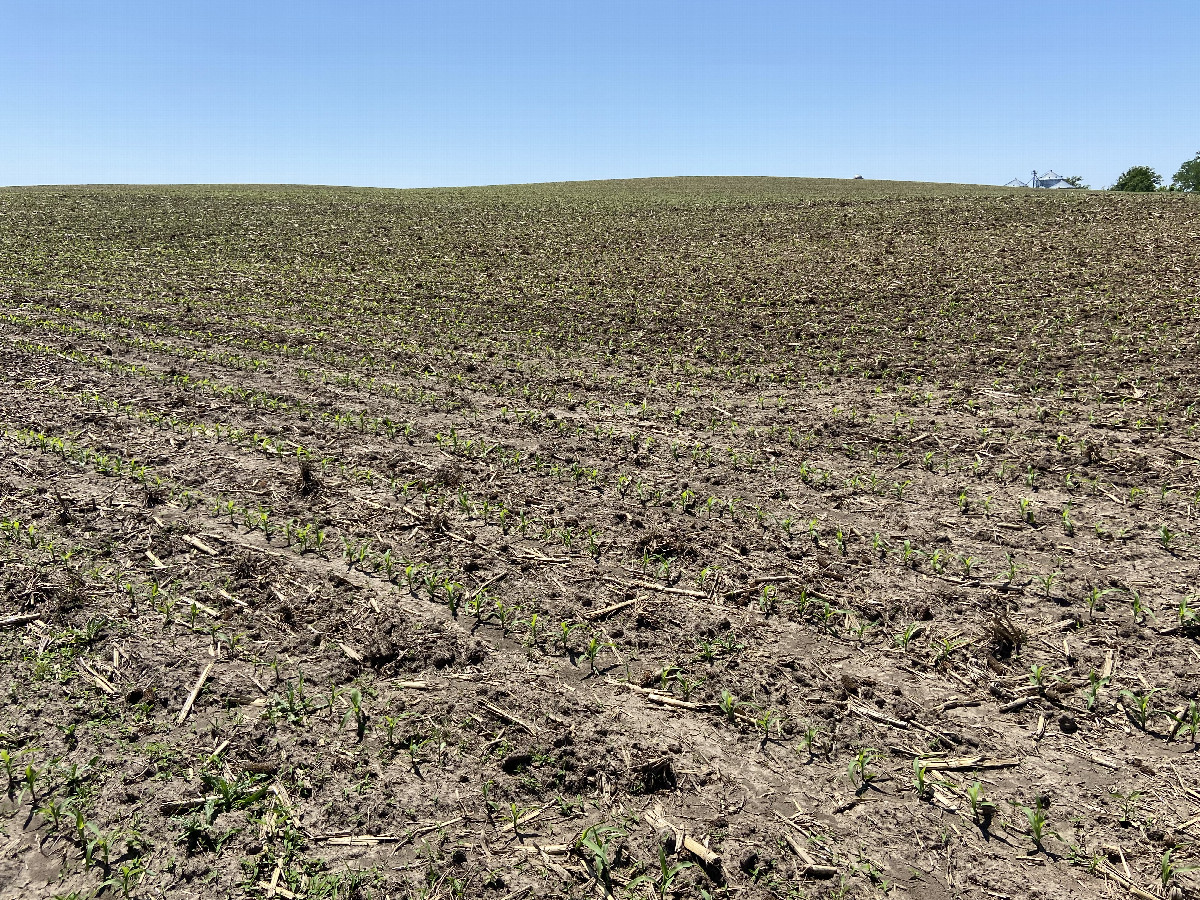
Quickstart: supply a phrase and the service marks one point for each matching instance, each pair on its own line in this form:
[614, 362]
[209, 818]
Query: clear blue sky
[454, 92]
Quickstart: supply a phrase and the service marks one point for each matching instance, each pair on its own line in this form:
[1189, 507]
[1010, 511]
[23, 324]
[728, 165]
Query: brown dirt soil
[689, 537]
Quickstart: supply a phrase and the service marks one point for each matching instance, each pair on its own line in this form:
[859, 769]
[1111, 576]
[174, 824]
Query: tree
[1188, 176]
[1138, 179]
[1075, 181]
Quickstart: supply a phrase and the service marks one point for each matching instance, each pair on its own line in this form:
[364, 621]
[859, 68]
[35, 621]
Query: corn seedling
[982, 809]
[1186, 613]
[763, 722]
[809, 739]
[1191, 716]
[728, 705]
[9, 760]
[1168, 870]
[663, 885]
[356, 711]
[130, 874]
[533, 626]
[879, 545]
[1128, 805]
[920, 781]
[590, 650]
[950, 645]
[1095, 685]
[597, 840]
[516, 813]
[1166, 537]
[904, 638]
[1037, 677]
[564, 635]
[768, 600]
[415, 745]
[1139, 706]
[1093, 598]
[96, 849]
[1046, 581]
[390, 724]
[507, 615]
[859, 773]
[1138, 610]
[686, 686]
[1036, 816]
[54, 811]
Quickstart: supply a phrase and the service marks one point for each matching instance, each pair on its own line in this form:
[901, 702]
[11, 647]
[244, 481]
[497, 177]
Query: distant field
[838, 537]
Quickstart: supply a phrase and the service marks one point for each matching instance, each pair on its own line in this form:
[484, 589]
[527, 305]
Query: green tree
[1138, 179]
[1188, 176]
[1075, 181]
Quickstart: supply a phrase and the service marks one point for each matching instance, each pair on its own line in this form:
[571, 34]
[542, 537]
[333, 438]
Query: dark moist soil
[829, 539]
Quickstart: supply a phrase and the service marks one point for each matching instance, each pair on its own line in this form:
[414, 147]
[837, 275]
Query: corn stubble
[680, 537]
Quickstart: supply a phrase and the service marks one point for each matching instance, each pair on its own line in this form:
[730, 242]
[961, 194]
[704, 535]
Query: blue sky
[420, 94]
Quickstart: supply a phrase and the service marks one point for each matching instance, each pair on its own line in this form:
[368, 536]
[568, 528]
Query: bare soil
[687, 537]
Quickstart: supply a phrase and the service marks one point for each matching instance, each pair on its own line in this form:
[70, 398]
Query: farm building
[1050, 179]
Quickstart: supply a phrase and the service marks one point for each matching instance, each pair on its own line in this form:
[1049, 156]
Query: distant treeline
[1143, 179]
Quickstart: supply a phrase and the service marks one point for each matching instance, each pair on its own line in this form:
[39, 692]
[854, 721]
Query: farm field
[727, 538]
